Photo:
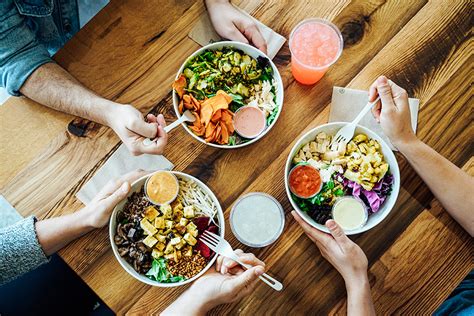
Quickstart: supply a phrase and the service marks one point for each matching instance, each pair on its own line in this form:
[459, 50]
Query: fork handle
[270, 281]
[364, 111]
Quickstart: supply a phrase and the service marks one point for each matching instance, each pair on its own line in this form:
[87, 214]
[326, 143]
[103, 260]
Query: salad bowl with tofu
[159, 244]
[356, 184]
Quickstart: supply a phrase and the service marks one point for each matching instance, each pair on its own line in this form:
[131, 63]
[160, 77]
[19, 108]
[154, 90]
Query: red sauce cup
[311, 180]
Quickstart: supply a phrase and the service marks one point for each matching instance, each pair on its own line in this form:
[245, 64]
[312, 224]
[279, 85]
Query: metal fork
[222, 247]
[345, 134]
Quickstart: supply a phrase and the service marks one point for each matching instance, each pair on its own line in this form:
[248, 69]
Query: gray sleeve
[20, 250]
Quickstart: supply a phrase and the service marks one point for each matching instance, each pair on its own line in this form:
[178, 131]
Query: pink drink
[315, 44]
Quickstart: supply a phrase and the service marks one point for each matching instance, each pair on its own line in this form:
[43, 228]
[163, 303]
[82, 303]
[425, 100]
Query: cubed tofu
[189, 251]
[147, 227]
[150, 241]
[169, 224]
[180, 228]
[166, 210]
[160, 222]
[160, 246]
[190, 239]
[192, 229]
[181, 244]
[189, 211]
[177, 255]
[160, 237]
[169, 248]
[183, 221]
[155, 253]
[176, 240]
[177, 206]
[191, 226]
[151, 213]
[170, 256]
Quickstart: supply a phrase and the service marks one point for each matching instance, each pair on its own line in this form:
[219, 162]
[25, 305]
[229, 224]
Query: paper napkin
[203, 33]
[347, 103]
[120, 163]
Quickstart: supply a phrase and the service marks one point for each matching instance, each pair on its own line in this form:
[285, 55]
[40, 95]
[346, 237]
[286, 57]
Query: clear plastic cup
[253, 224]
[315, 44]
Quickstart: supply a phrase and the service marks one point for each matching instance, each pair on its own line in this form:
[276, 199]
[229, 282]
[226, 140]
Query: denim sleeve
[20, 250]
[20, 52]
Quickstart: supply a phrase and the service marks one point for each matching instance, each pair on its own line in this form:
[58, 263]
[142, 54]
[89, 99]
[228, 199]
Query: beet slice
[203, 249]
[201, 223]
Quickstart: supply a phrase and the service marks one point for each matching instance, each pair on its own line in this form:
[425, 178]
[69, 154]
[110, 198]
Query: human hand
[97, 212]
[233, 25]
[129, 124]
[346, 256]
[392, 111]
[229, 282]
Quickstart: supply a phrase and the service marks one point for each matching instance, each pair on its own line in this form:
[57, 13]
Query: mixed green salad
[249, 81]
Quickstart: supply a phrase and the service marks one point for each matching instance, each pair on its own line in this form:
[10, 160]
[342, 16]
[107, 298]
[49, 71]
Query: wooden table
[130, 53]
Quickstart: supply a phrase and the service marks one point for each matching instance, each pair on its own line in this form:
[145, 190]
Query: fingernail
[259, 271]
[382, 80]
[331, 224]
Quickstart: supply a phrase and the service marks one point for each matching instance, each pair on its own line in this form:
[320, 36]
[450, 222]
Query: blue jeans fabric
[31, 31]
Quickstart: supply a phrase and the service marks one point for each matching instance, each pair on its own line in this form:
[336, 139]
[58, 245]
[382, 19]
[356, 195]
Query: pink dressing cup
[249, 121]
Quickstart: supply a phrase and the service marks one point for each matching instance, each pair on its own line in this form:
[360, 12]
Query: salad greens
[159, 272]
[227, 69]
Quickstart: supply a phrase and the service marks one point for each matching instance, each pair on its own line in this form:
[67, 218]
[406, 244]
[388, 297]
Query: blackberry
[320, 213]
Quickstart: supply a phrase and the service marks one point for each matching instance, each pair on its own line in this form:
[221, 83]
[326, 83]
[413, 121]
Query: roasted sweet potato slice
[217, 136]
[180, 107]
[206, 113]
[179, 85]
[197, 104]
[227, 97]
[199, 131]
[227, 119]
[224, 133]
[197, 122]
[216, 116]
[216, 102]
[210, 128]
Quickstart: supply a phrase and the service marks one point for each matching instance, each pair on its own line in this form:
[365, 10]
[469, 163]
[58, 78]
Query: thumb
[385, 92]
[338, 234]
[144, 129]
[246, 280]
[117, 196]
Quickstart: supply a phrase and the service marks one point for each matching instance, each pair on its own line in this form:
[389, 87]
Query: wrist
[190, 304]
[110, 110]
[404, 144]
[87, 218]
[356, 282]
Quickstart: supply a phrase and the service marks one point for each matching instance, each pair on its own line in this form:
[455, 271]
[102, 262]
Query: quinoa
[187, 266]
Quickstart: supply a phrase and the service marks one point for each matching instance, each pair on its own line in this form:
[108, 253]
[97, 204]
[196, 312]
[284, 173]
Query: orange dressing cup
[173, 181]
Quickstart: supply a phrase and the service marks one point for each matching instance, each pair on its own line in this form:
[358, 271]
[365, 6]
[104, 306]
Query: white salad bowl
[331, 129]
[253, 52]
[136, 187]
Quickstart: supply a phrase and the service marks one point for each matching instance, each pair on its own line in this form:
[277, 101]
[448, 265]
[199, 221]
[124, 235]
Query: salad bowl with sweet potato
[220, 79]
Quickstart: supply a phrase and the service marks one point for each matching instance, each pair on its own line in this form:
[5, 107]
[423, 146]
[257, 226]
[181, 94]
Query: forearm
[359, 298]
[451, 186]
[55, 233]
[54, 87]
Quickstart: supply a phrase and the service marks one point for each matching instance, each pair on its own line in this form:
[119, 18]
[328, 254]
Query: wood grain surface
[130, 53]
